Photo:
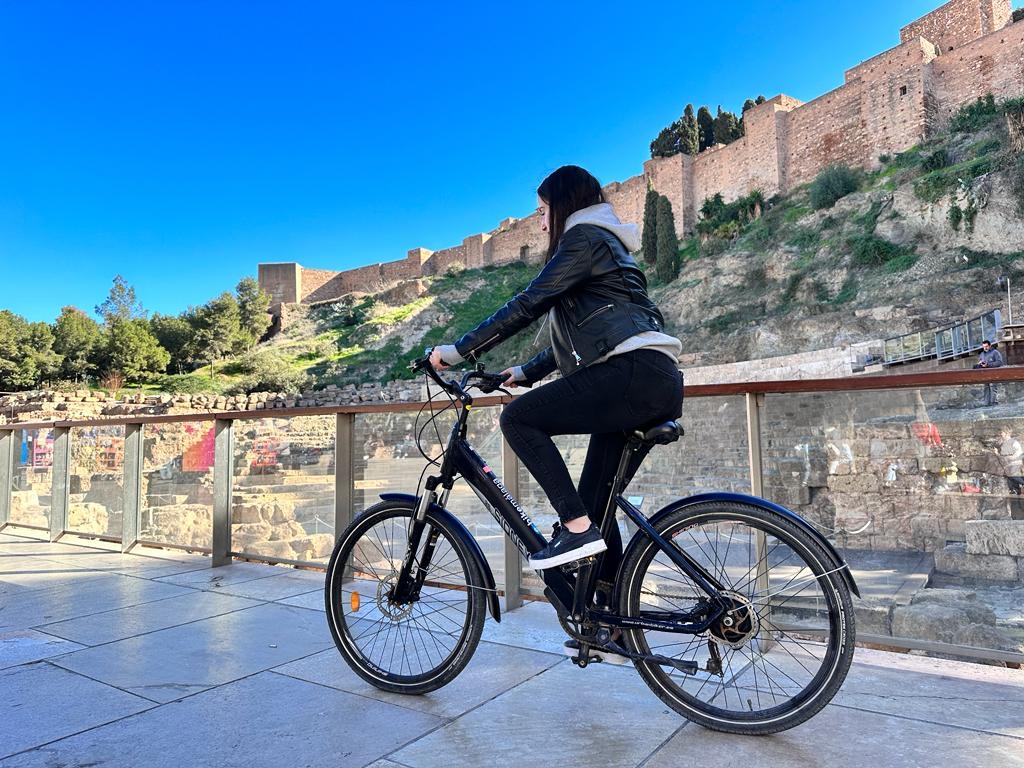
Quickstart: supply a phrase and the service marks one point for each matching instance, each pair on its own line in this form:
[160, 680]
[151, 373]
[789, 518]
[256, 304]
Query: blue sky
[182, 143]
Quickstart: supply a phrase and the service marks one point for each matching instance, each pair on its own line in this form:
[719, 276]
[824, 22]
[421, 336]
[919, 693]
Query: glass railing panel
[177, 484]
[283, 488]
[386, 458]
[32, 478]
[711, 456]
[96, 490]
[921, 492]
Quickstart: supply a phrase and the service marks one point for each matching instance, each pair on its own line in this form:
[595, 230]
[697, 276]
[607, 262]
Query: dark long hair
[567, 190]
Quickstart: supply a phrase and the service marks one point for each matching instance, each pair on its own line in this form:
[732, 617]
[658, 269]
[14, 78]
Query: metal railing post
[344, 472]
[223, 477]
[754, 403]
[6, 474]
[511, 558]
[60, 482]
[131, 518]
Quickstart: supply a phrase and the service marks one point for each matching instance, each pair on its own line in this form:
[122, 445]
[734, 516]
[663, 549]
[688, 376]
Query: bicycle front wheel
[783, 648]
[404, 647]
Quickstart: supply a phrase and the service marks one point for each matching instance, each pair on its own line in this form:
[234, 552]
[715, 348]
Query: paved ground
[162, 661]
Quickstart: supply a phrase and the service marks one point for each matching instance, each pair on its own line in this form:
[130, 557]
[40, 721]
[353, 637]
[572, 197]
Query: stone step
[995, 537]
[955, 560]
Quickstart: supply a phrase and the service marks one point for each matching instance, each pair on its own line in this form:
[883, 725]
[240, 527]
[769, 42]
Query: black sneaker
[571, 648]
[567, 546]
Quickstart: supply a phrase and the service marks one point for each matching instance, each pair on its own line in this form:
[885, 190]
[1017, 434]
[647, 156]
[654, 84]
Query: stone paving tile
[41, 703]
[534, 626]
[176, 662]
[21, 646]
[134, 565]
[313, 601]
[222, 576]
[838, 737]
[149, 617]
[939, 691]
[553, 719]
[68, 601]
[493, 670]
[267, 719]
[42, 574]
[285, 584]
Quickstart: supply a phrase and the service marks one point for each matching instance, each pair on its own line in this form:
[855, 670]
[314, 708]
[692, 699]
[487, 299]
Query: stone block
[958, 599]
[929, 621]
[987, 636]
[995, 537]
[874, 617]
[955, 561]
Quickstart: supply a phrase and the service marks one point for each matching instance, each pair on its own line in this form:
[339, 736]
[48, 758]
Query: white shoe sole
[607, 657]
[593, 548]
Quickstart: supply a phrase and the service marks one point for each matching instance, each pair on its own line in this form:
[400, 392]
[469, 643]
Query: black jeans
[639, 389]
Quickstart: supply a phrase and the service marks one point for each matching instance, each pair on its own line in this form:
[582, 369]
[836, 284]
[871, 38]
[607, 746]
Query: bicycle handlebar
[489, 382]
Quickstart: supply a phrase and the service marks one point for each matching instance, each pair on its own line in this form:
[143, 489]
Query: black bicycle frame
[460, 458]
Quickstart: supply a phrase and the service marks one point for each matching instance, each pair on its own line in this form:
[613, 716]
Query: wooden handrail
[790, 386]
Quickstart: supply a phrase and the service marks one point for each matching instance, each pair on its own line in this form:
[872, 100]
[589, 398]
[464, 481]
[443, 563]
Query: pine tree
[689, 134]
[76, 338]
[706, 125]
[253, 310]
[649, 237]
[668, 264]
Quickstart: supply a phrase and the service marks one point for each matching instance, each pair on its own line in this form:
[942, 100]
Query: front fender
[463, 533]
[756, 501]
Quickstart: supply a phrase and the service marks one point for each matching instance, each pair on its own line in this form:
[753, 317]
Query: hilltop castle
[958, 52]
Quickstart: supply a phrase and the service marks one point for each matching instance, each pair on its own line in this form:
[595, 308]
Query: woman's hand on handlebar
[510, 378]
[435, 360]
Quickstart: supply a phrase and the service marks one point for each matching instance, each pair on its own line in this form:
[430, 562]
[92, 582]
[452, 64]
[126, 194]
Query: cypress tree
[667, 267]
[649, 237]
[706, 125]
[689, 137]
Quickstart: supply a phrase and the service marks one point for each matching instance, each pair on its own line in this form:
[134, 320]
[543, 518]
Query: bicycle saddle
[663, 434]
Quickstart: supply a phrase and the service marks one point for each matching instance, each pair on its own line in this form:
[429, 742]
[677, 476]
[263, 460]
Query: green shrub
[805, 238]
[714, 246]
[848, 291]
[955, 216]
[723, 323]
[690, 250]
[936, 160]
[725, 219]
[933, 186]
[833, 183]
[268, 371]
[901, 263]
[183, 384]
[909, 159]
[973, 117]
[792, 287]
[873, 251]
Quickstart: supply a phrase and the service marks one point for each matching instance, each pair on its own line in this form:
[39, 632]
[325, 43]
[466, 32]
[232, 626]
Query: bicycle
[735, 611]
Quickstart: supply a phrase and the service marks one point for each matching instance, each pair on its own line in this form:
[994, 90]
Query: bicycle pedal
[575, 565]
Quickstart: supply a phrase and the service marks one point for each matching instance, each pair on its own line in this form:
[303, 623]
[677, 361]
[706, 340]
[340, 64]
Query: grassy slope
[794, 272]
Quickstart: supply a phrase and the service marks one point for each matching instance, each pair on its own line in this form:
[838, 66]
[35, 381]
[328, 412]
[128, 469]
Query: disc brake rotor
[738, 624]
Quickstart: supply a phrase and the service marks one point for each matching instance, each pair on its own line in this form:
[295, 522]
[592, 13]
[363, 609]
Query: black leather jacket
[599, 296]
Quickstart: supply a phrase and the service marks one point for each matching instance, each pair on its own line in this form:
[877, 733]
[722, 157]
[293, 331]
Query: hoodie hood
[603, 215]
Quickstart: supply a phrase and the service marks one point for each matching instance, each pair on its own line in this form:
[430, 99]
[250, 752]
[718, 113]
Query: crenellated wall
[886, 104]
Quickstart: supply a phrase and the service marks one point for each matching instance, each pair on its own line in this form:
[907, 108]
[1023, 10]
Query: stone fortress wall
[958, 52]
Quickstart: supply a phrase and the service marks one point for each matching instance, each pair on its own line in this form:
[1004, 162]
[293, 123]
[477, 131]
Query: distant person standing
[989, 358]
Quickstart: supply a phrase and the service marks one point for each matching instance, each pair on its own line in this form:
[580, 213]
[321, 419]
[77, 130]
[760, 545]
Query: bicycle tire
[765, 628]
[386, 644]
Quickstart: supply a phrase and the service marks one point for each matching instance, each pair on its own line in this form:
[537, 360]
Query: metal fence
[892, 468]
[946, 343]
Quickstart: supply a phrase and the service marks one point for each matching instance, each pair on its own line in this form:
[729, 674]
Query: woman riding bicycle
[618, 367]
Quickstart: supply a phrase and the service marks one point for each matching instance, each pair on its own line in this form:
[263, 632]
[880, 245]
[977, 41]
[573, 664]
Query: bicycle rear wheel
[781, 652]
[404, 647]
